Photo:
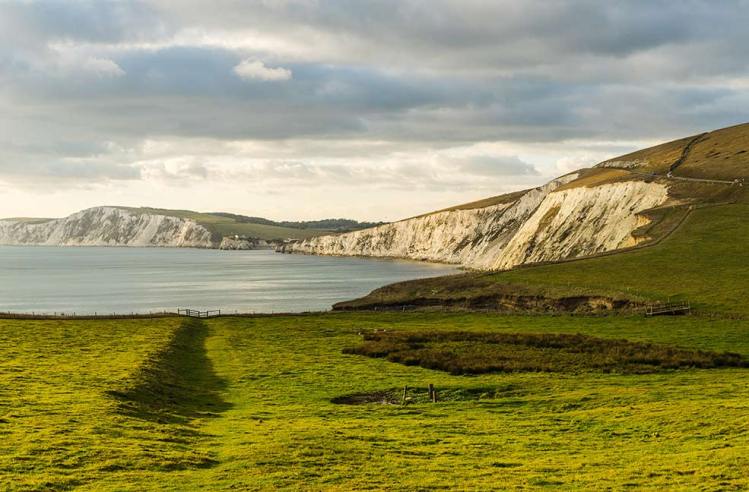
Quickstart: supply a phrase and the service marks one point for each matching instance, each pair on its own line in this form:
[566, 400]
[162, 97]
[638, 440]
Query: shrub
[475, 353]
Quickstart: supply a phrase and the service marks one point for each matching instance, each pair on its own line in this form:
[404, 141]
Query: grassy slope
[705, 261]
[225, 226]
[720, 154]
[277, 428]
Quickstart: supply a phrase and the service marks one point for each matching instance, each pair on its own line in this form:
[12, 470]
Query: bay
[90, 280]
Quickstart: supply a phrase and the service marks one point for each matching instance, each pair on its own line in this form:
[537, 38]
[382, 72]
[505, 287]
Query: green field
[245, 403]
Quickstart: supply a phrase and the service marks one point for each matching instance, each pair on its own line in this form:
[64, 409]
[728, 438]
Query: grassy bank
[706, 261]
[261, 414]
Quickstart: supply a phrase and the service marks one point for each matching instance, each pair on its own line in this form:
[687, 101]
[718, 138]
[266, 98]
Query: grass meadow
[246, 403]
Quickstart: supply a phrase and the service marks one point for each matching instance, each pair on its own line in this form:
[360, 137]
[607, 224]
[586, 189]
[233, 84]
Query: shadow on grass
[178, 383]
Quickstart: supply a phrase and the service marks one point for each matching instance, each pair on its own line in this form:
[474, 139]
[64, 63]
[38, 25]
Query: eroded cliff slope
[570, 216]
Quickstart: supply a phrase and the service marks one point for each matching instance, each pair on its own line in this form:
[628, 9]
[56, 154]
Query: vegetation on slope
[335, 225]
[462, 352]
[226, 224]
[223, 226]
[720, 154]
[705, 261]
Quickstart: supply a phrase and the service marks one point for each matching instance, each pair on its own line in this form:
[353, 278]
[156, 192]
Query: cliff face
[107, 226]
[582, 221]
[238, 244]
[547, 223]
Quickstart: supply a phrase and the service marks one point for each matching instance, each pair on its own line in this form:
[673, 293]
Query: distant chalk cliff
[107, 226]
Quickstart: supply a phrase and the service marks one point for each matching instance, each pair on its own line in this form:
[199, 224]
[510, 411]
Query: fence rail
[193, 313]
[82, 316]
[666, 308]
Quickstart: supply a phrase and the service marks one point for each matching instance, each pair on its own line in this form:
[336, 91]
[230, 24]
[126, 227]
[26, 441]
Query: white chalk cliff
[544, 224]
[107, 226]
[239, 244]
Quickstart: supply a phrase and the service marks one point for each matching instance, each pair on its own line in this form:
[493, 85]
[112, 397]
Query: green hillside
[221, 226]
[703, 257]
[719, 154]
[705, 261]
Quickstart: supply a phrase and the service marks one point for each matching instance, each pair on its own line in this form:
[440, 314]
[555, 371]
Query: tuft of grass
[463, 352]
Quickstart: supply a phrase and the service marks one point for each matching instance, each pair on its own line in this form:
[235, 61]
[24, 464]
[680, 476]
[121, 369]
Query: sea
[100, 280]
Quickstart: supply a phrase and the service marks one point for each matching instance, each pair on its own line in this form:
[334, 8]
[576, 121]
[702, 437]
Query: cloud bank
[269, 100]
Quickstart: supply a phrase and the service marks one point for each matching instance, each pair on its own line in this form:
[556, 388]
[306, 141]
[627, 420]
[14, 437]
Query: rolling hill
[627, 202]
[692, 246]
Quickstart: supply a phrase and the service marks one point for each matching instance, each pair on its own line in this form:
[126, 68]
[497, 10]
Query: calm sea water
[124, 280]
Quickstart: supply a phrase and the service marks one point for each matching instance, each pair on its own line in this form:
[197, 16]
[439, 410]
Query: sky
[372, 110]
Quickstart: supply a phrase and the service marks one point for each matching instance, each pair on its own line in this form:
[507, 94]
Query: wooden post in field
[405, 390]
[431, 392]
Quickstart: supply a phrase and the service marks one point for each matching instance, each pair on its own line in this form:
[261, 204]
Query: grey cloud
[404, 73]
[486, 165]
[448, 172]
[35, 23]
[474, 33]
[28, 172]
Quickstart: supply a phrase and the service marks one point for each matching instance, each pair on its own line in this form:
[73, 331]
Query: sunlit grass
[261, 415]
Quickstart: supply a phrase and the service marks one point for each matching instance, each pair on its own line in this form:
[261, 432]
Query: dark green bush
[476, 353]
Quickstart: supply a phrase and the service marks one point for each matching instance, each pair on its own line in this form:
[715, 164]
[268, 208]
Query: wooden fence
[192, 313]
[668, 308]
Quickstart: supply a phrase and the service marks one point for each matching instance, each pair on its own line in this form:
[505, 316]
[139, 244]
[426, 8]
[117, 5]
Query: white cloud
[64, 59]
[103, 67]
[256, 70]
